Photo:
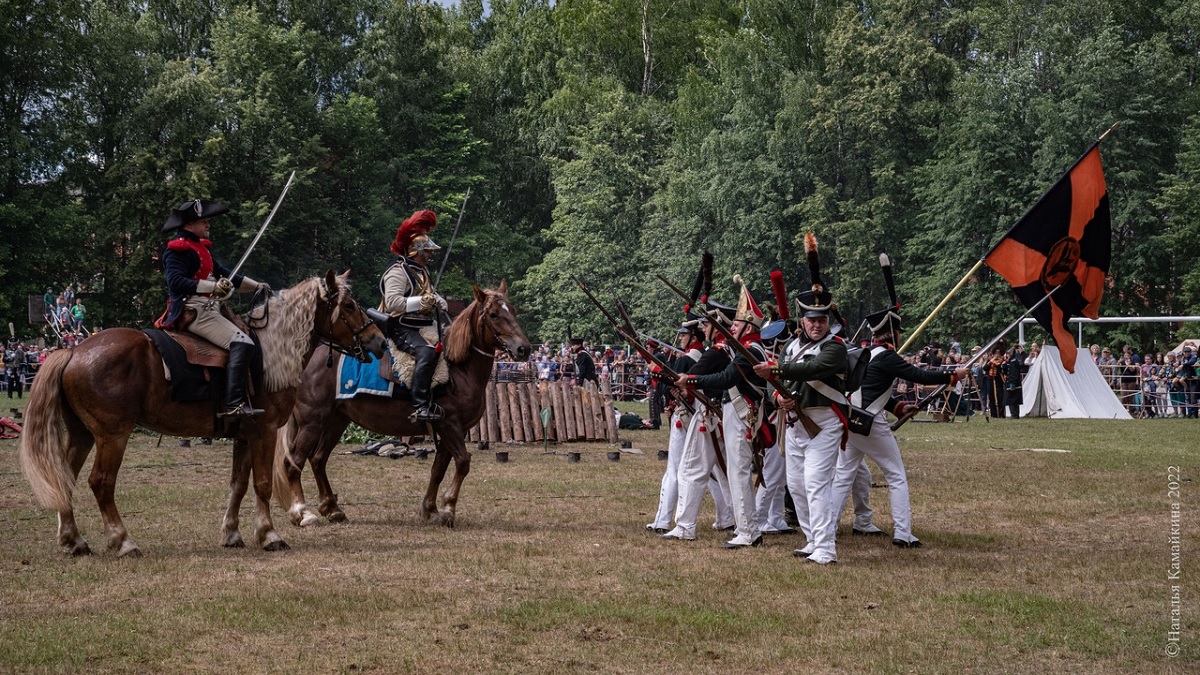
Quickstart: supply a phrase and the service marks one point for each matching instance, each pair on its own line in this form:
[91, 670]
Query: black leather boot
[424, 409]
[236, 376]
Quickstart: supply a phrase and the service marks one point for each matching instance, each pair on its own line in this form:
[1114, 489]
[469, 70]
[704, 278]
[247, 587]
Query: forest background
[612, 139]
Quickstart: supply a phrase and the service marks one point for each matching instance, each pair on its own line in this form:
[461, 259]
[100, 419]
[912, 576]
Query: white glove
[223, 289]
[264, 287]
[441, 303]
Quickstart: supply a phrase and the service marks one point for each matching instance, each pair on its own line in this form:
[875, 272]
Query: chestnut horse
[488, 324]
[113, 381]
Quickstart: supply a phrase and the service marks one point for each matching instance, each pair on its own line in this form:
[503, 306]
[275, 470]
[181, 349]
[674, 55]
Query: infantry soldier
[816, 367]
[410, 299]
[875, 396]
[699, 465]
[198, 283]
[690, 340]
[742, 393]
[585, 367]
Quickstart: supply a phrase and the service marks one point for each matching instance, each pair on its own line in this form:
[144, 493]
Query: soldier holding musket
[875, 396]
[815, 366]
[742, 416]
[701, 457]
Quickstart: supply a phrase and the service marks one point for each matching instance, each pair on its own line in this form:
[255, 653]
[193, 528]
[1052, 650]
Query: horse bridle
[332, 309]
[496, 335]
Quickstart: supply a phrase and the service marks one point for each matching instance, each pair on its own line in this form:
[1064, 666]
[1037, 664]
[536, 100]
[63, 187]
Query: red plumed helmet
[416, 225]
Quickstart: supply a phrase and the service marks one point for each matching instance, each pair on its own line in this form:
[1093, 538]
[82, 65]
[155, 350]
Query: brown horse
[114, 380]
[488, 324]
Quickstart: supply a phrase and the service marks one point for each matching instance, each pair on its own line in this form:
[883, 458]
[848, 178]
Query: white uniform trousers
[668, 491]
[880, 446]
[861, 492]
[811, 467]
[769, 498]
[696, 464]
[718, 487]
[739, 465]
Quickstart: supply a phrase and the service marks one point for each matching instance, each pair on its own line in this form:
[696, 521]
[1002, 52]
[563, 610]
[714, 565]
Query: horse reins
[331, 310]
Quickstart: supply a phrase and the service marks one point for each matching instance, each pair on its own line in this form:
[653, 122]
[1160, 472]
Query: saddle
[396, 365]
[195, 367]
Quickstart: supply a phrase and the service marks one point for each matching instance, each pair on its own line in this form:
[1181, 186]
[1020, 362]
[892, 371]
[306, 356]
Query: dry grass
[1036, 562]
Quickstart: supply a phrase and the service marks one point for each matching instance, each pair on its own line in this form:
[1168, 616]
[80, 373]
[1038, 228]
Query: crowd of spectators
[18, 364]
[66, 317]
[1154, 384]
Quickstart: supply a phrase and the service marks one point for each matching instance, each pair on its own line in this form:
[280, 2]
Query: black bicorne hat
[190, 212]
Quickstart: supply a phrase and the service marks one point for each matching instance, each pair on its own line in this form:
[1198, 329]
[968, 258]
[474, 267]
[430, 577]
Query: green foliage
[610, 140]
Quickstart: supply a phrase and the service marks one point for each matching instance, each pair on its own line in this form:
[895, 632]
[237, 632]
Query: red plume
[418, 223]
[781, 300]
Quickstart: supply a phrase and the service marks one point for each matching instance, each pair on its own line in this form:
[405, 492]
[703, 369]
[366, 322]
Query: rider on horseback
[198, 283]
[409, 297]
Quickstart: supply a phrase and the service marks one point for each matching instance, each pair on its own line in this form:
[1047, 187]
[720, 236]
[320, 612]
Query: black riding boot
[424, 409]
[236, 376]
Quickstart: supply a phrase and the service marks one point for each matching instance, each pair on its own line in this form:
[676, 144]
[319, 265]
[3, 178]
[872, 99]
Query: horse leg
[454, 446]
[238, 482]
[437, 473]
[262, 455]
[79, 445]
[110, 452]
[328, 505]
[289, 466]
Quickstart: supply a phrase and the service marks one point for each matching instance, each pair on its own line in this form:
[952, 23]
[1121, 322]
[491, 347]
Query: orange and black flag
[1064, 240]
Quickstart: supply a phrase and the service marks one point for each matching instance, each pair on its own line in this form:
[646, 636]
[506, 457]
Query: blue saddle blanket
[356, 378]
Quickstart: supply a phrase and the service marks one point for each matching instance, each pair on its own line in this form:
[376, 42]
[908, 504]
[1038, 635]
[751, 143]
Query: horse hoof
[129, 550]
[277, 545]
[234, 541]
[338, 516]
[447, 518]
[309, 518]
[79, 548]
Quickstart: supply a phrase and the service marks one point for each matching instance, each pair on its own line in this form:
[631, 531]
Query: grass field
[1036, 562]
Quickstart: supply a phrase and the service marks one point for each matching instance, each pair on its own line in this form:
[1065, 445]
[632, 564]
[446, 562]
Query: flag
[1064, 240]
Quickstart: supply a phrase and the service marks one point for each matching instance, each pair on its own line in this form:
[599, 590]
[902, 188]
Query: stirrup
[431, 413]
[241, 410]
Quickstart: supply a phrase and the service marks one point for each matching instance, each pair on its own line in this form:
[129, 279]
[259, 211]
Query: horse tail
[44, 443]
[284, 438]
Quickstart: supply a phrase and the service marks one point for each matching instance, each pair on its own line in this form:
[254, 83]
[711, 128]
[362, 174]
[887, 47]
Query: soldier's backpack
[862, 414]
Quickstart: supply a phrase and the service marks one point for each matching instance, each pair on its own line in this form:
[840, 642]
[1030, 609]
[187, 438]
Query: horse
[96, 393]
[317, 422]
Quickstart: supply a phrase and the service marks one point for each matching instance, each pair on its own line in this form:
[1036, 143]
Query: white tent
[1050, 391]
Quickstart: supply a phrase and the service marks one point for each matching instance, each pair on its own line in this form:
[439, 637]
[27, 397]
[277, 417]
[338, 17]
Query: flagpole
[961, 283]
[979, 264]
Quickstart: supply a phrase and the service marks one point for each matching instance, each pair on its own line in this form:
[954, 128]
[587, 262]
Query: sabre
[264, 226]
[453, 236]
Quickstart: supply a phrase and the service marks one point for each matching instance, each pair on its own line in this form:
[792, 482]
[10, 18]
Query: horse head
[498, 321]
[343, 324]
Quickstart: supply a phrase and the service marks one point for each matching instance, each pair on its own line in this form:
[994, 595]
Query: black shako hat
[190, 212]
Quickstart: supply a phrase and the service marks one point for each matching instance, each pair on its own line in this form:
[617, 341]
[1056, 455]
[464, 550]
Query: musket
[809, 425]
[717, 438]
[453, 236]
[646, 354]
[671, 348]
[916, 407]
[262, 229]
